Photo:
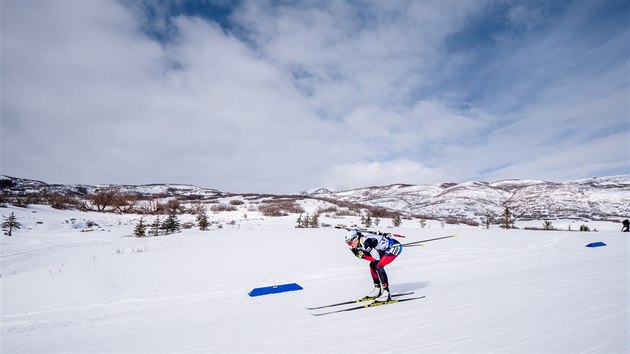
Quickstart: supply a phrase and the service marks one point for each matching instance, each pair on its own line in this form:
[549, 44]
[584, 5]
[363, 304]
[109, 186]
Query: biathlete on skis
[380, 250]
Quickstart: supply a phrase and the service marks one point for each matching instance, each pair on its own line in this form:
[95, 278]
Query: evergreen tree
[171, 224]
[507, 222]
[396, 220]
[547, 225]
[299, 223]
[10, 223]
[140, 230]
[202, 221]
[367, 221]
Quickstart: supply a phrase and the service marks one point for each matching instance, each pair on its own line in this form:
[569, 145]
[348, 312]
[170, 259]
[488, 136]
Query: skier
[626, 226]
[380, 250]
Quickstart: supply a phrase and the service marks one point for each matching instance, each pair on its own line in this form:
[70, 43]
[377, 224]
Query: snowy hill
[66, 290]
[21, 186]
[591, 199]
[602, 198]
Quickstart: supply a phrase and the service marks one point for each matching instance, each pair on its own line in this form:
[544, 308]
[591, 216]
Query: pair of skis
[364, 303]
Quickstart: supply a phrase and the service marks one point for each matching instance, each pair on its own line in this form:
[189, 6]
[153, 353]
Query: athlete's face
[353, 243]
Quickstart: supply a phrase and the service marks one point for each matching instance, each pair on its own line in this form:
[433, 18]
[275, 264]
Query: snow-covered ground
[505, 291]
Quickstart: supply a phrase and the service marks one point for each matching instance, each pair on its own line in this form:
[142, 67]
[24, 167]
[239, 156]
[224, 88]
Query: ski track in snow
[503, 291]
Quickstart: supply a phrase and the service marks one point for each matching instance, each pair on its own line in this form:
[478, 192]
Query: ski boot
[385, 296]
[373, 294]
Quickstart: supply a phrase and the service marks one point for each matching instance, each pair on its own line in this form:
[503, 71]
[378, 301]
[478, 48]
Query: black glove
[357, 253]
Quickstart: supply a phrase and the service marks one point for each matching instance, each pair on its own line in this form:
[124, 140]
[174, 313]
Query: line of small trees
[507, 222]
[548, 226]
[307, 221]
[368, 220]
[170, 225]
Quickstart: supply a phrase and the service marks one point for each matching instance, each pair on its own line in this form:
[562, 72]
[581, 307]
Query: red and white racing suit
[380, 250]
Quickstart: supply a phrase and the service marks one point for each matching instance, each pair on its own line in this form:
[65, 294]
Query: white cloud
[309, 94]
[353, 60]
[219, 117]
[601, 156]
[364, 174]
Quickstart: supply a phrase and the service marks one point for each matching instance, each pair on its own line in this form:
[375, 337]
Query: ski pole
[416, 243]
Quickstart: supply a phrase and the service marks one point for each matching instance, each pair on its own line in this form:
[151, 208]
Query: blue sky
[283, 96]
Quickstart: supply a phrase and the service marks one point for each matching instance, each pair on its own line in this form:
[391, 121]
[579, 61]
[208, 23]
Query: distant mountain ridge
[316, 191]
[599, 198]
[21, 185]
[595, 198]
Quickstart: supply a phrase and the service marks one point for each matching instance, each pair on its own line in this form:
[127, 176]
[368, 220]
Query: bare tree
[125, 203]
[140, 230]
[151, 206]
[172, 206]
[104, 198]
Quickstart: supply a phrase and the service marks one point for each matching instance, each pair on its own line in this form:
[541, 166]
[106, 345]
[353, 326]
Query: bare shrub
[282, 208]
[458, 221]
[60, 201]
[346, 212]
[350, 206]
[187, 225]
[329, 209]
[470, 222]
[379, 212]
[173, 206]
[222, 207]
[197, 208]
[151, 207]
[18, 201]
[272, 210]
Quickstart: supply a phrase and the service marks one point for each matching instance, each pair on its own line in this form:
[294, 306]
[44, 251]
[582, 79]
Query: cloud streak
[261, 97]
